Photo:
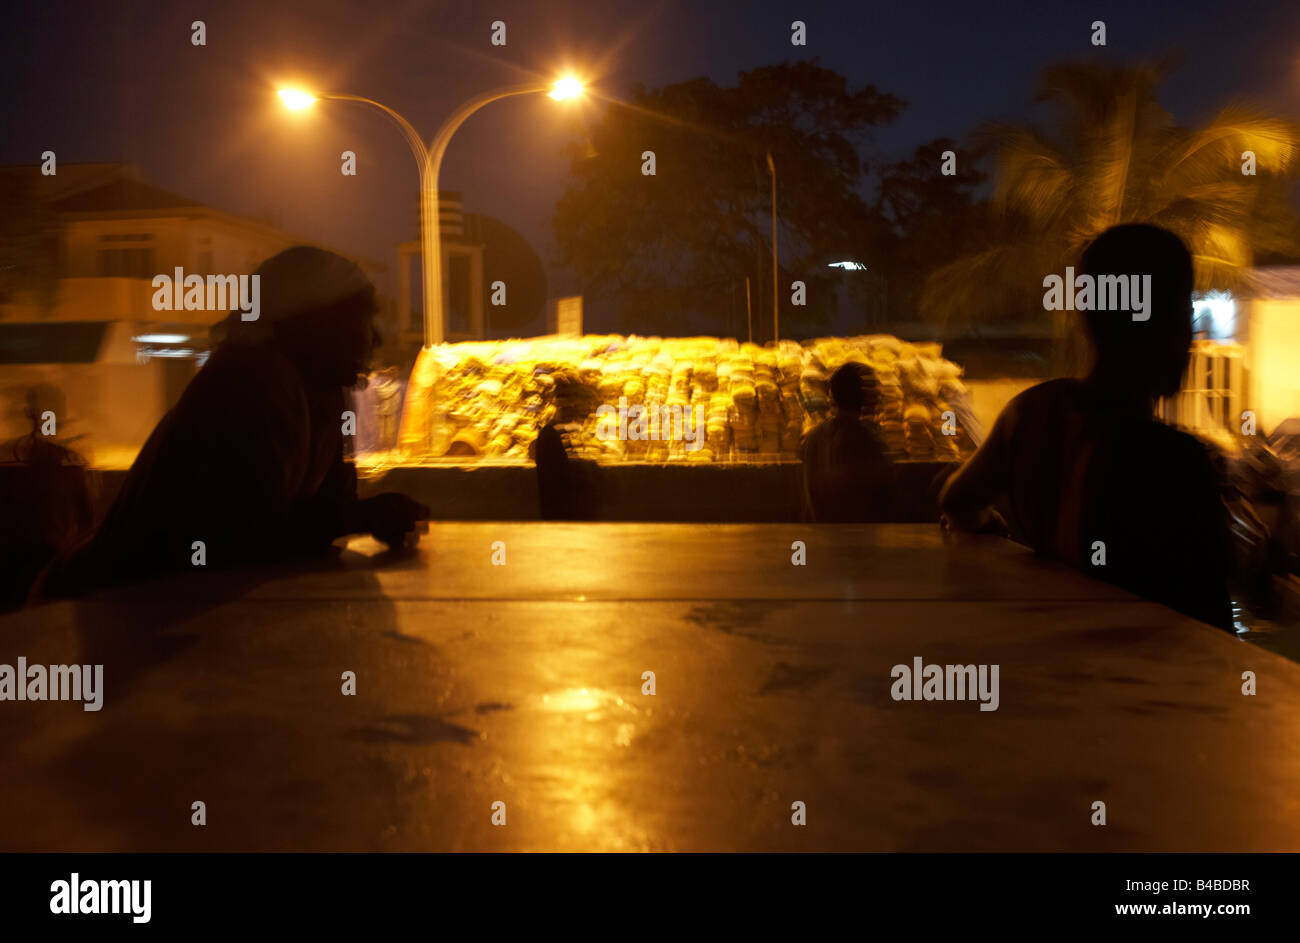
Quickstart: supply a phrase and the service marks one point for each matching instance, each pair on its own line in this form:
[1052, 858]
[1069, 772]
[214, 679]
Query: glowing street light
[296, 99]
[566, 88]
[429, 160]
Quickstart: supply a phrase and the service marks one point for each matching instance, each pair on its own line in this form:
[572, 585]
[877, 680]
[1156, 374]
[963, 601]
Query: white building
[92, 330]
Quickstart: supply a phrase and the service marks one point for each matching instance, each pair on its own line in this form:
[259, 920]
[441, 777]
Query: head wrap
[296, 282]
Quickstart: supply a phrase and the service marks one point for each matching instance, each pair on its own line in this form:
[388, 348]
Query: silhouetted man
[250, 460]
[1085, 471]
[847, 475]
[566, 485]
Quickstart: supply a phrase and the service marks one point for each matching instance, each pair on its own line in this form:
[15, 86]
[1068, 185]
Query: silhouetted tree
[664, 246]
[934, 219]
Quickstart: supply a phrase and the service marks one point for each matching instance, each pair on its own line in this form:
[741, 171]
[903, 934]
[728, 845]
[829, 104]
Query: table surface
[522, 684]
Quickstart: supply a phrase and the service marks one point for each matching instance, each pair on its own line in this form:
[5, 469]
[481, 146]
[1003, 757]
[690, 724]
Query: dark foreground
[522, 684]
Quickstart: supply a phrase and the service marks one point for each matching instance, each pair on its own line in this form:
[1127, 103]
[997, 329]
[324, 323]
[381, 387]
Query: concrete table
[522, 684]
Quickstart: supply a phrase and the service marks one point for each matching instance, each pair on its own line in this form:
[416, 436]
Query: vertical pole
[431, 240]
[433, 318]
[749, 313]
[776, 319]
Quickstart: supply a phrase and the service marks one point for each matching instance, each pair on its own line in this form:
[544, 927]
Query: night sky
[121, 81]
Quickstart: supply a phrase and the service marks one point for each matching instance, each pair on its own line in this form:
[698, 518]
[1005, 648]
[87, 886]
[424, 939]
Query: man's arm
[1203, 541]
[967, 498]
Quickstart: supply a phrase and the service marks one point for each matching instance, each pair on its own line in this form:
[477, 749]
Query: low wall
[686, 493]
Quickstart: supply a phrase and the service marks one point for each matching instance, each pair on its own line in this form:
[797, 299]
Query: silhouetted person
[566, 485]
[1082, 466]
[847, 475]
[250, 460]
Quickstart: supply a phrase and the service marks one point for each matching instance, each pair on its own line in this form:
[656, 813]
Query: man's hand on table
[393, 518]
[982, 521]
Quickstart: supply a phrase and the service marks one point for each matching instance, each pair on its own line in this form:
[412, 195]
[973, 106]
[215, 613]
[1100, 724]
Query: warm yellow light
[295, 98]
[567, 87]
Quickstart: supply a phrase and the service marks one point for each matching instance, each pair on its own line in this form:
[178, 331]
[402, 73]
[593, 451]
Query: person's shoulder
[818, 432]
[1040, 394]
[549, 442]
[1038, 400]
[246, 393]
[252, 373]
[820, 436]
[1181, 449]
[263, 360]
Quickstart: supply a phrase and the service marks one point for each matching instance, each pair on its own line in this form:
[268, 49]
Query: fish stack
[488, 399]
[946, 447]
[917, 437]
[744, 410]
[770, 416]
[718, 425]
[814, 395]
[889, 412]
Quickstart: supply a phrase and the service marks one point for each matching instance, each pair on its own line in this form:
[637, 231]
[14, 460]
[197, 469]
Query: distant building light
[1215, 314]
[160, 338]
[849, 266]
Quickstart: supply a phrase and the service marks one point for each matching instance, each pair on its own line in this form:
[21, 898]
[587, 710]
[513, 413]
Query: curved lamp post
[429, 161]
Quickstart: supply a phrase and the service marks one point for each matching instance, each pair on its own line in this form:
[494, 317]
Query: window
[126, 263]
[126, 255]
[60, 342]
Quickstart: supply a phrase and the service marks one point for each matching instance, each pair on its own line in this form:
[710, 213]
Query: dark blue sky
[121, 81]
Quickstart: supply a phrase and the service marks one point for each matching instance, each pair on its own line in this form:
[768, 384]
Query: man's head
[574, 400]
[1149, 355]
[319, 308]
[854, 389]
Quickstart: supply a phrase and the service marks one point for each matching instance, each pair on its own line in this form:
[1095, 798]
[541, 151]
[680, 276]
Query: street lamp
[566, 88]
[294, 98]
[429, 161]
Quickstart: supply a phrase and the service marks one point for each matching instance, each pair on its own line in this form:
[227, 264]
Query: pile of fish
[719, 400]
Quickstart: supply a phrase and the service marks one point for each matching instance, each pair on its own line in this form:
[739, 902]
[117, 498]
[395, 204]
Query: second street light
[429, 161]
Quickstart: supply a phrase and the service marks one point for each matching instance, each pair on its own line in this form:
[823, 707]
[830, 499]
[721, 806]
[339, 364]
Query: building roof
[69, 179]
[107, 190]
[123, 194]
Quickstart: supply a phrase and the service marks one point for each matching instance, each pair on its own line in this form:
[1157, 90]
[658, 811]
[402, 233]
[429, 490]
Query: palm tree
[1115, 155]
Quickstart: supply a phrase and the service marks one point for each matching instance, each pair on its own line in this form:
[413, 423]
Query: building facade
[462, 278]
[86, 323]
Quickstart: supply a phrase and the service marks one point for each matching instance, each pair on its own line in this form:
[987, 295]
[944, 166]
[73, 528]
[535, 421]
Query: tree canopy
[1110, 155]
[677, 243]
